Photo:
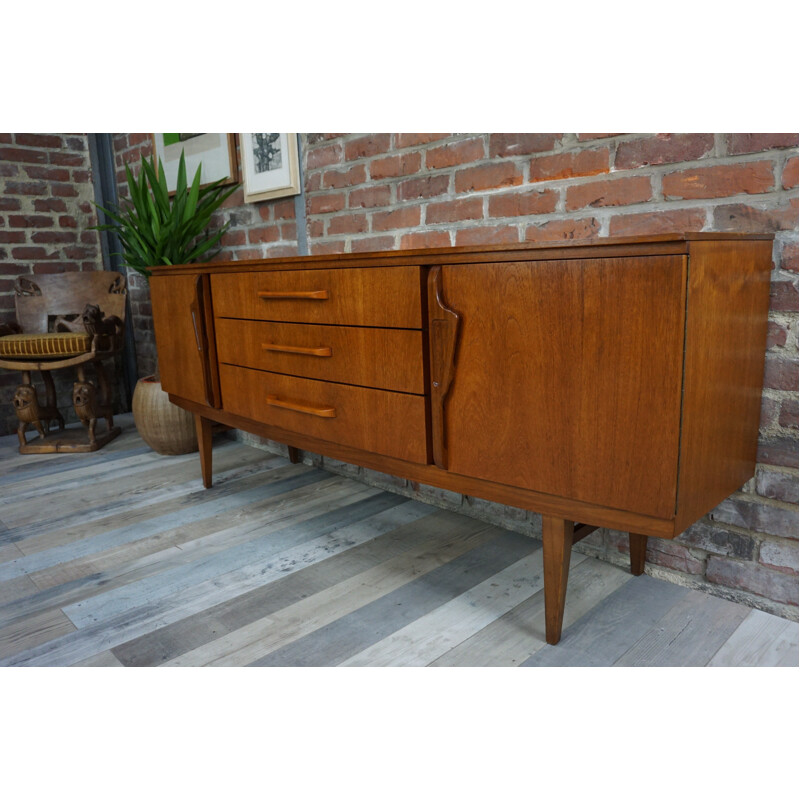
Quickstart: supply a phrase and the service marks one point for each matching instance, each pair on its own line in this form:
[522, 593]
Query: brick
[742, 218]
[6, 138]
[25, 156]
[776, 334]
[367, 146]
[263, 234]
[324, 156]
[405, 217]
[67, 221]
[54, 237]
[781, 556]
[756, 517]
[707, 537]
[315, 138]
[289, 231]
[282, 251]
[663, 148]
[778, 452]
[283, 209]
[8, 170]
[37, 253]
[314, 182]
[370, 197]
[454, 210]
[443, 498]
[395, 166]
[523, 204]
[619, 192]
[12, 237]
[27, 189]
[49, 204]
[489, 176]
[563, 230]
[504, 145]
[674, 221]
[770, 408]
[59, 174]
[63, 190]
[338, 179]
[10, 204]
[739, 143]
[493, 235]
[726, 180]
[140, 138]
[783, 295]
[788, 415]
[233, 239]
[326, 203]
[78, 252]
[418, 240]
[416, 139]
[673, 555]
[347, 223]
[428, 186]
[372, 244]
[451, 155]
[753, 578]
[326, 248]
[574, 164]
[81, 176]
[780, 373]
[776, 485]
[30, 221]
[789, 178]
[788, 256]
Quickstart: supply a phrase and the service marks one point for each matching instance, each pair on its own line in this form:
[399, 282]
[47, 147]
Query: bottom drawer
[387, 423]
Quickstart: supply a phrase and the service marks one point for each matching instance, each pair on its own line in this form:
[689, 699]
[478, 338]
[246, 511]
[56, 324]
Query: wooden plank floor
[121, 558]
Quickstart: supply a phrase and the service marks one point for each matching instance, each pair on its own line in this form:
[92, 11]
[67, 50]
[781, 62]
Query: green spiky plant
[157, 229]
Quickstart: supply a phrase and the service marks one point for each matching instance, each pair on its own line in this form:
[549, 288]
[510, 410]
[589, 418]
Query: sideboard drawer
[380, 358]
[389, 423]
[382, 297]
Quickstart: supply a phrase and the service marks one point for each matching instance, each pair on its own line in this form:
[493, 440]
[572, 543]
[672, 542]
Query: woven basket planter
[169, 430]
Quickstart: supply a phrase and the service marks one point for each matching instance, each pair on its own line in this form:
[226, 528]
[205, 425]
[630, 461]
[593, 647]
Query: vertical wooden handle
[198, 311]
[444, 325]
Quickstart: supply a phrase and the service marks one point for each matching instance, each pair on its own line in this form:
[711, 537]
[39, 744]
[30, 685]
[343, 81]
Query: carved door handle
[443, 338]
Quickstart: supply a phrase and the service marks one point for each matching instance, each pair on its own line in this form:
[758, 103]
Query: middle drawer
[380, 358]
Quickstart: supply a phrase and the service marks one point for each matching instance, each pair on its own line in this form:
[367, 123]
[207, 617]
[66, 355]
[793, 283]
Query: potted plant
[155, 228]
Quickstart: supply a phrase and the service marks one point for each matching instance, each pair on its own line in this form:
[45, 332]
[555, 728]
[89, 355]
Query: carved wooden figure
[31, 412]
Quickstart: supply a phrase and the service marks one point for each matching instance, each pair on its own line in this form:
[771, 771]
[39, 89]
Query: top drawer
[383, 297]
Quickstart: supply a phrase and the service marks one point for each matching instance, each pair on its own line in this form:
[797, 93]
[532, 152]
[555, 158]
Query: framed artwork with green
[216, 152]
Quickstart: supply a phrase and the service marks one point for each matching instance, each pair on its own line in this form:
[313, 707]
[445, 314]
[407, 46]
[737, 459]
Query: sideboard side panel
[726, 331]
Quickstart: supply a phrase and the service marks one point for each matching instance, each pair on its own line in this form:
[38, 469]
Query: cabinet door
[180, 318]
[567, 377]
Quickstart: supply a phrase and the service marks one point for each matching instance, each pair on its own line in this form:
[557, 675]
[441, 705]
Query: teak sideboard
[615, 383]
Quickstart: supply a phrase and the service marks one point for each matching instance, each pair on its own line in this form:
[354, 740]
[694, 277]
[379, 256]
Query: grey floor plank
[688, 635]
[33, 630]
[605, 632]
[762, 640]
[355, 632]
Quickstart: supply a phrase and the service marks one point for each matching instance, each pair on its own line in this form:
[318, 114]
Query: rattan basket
[168, 429]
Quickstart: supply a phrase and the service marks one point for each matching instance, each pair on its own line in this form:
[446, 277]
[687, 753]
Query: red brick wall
[45, 214]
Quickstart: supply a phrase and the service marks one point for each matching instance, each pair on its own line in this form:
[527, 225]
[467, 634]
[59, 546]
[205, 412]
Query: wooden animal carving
[24, 287]
[97, 324]
[29, 412]
[88, 408]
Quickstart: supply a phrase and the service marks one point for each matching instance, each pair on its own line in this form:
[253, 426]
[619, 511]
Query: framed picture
[215, 151]
[270, 166]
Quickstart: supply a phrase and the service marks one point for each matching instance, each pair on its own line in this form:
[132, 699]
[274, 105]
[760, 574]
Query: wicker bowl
[169, 430]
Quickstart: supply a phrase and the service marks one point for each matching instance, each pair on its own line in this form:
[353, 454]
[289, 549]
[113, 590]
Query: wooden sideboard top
[660, 244]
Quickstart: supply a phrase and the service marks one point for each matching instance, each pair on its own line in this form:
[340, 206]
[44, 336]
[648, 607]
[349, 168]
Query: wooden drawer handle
[317, 411]
[319, 294]
[321, 352]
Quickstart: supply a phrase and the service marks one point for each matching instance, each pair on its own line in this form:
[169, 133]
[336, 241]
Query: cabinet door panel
[568, 377]
[179, 320]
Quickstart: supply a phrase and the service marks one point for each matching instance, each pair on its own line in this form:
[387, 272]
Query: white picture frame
[270, 165]
[215, 151]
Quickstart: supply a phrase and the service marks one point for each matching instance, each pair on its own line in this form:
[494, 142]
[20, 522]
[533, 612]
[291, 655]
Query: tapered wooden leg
[638, 547]
[557, 536]
[294, 455]
[203, 426]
